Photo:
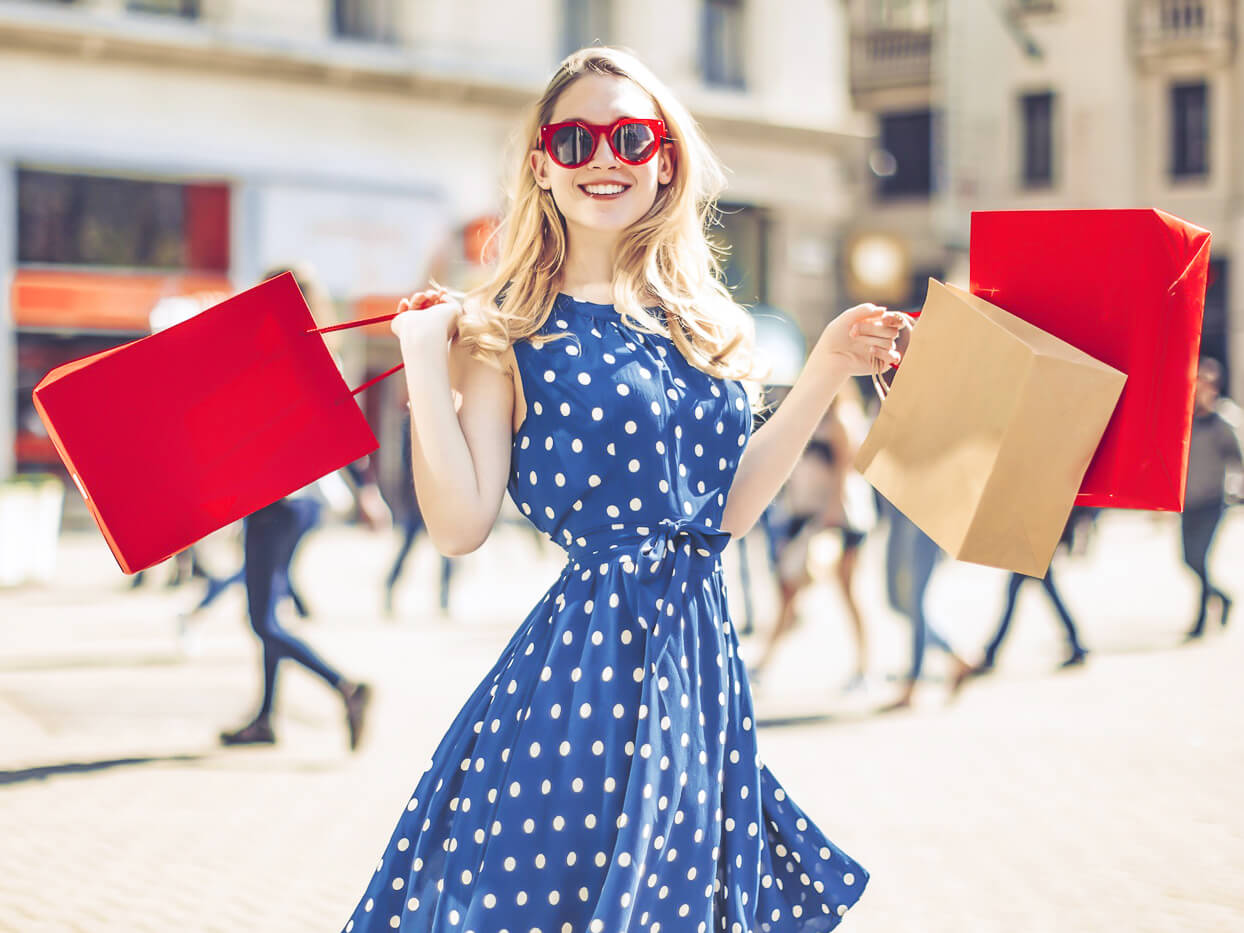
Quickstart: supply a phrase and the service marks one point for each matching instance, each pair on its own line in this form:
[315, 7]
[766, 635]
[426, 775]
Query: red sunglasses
[573, 143]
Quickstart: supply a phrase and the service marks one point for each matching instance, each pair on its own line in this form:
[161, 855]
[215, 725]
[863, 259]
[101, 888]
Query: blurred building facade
[1044, 104]
[152, 148]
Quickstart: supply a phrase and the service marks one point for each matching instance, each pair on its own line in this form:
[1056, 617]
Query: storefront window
[89, 220]
[744, 231]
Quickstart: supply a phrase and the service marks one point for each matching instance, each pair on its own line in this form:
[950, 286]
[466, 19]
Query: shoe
[257, 733]
[961, 677]
[985, 667]
[858, 681]
[897, 706]
[1076, 659]
[1225, 602]
[357, 702]
[1194, 634]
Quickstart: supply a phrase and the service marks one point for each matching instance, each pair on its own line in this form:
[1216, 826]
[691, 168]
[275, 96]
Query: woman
[604, 775]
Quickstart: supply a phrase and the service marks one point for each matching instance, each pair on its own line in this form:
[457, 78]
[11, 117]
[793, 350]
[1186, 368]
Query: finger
[872, 329]
[877, 343]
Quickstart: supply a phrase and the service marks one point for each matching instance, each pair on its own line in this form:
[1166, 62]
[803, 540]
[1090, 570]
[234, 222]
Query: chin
[608, 217]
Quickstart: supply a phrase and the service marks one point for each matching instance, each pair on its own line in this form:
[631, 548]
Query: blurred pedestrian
[185, 564]
[188, 622]
[409, 518]
[1076, 652]
[911, 557]
[270, 539]
[819, 499]
[1213, 450]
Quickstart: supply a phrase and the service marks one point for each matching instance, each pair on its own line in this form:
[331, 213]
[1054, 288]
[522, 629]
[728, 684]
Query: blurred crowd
[813, 533]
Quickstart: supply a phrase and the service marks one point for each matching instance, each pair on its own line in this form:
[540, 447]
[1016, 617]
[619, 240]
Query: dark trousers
[411, 526]
[1199, 524]
[911, 557]
[271, 536]
[1012, 595]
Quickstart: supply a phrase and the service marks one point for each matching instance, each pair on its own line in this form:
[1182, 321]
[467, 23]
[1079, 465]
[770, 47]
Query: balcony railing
[891, 58]
[1201, 28]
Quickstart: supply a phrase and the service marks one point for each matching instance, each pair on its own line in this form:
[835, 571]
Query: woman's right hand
[425, 315]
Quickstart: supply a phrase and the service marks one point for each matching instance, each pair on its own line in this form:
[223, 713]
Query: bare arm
[849, 345]
[460, 448]
[771, 454]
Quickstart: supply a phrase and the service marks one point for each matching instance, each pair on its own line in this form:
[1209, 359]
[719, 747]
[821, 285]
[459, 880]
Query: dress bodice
[622, 434]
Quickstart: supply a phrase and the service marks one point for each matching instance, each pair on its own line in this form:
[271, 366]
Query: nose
[603, 155]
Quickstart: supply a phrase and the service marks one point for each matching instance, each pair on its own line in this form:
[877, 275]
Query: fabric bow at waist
[653, 542]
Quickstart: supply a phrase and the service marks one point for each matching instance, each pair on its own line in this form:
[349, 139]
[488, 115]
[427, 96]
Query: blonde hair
[664, 256]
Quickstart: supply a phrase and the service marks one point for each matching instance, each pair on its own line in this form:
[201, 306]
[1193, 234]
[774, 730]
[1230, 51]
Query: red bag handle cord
[351, 324]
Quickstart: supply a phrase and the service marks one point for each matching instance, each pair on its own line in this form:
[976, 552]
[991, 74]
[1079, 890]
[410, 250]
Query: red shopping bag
[178, 434]
[1128, 288]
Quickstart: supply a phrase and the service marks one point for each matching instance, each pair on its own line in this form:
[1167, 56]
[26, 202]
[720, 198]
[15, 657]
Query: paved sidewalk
[1108, 798]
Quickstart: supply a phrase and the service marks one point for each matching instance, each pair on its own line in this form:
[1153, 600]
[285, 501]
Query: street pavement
[1109, 797]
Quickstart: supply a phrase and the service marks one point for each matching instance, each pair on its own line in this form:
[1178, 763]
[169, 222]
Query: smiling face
[605, 195]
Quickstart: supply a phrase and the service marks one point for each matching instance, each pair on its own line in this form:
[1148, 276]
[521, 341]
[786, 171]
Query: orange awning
[375, 306]
[101, 300]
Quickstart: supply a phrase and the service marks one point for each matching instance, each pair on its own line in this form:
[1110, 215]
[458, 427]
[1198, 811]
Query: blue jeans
[1012, 594]
[911, 557]
[271, 536]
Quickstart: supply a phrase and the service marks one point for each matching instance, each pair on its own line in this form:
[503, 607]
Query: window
[187, 9]
[722, 43]
[587, 22]
[1037, 115]
[908, 138]
[88, 220]
[900, 14]
[1215, 327]
[744, 232]
[1190, 130]
[368, 20]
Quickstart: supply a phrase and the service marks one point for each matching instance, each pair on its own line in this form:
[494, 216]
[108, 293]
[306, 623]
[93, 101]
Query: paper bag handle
[879, 367]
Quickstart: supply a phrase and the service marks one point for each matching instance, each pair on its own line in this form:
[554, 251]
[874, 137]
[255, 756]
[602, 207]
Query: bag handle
[349, 325]
[879, 368]
[380, 319]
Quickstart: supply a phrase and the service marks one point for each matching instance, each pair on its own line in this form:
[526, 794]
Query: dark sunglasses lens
[572, 145]
[634, 142]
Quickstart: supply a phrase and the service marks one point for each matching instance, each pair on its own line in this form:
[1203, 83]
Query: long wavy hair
[664, 258]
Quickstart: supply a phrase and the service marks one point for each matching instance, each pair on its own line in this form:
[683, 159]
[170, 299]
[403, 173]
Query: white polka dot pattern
[604, 776]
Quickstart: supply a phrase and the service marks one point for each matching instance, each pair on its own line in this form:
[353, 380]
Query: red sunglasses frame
[597, 129]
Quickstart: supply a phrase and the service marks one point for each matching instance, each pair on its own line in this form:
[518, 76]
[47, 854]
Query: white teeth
[604, 189]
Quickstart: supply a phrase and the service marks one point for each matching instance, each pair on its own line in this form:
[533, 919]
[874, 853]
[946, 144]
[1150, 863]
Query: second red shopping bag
[1128, 288]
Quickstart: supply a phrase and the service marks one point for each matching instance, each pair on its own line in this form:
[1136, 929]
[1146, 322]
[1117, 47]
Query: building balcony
[1201, 30]
[883, 60]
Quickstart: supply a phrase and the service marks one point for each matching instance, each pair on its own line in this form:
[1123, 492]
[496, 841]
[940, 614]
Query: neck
[587, 273]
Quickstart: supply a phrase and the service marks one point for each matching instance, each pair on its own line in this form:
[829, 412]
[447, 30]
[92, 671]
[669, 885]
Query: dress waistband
[654, 542]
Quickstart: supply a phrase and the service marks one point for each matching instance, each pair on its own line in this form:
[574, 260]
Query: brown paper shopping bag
[986, 432]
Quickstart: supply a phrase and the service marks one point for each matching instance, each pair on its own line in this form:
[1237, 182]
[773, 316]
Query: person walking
[1076, 652]
[816, 500]
[269, 541]
[605, 774]
[911, 557]
[1213, 450]
[410, 519]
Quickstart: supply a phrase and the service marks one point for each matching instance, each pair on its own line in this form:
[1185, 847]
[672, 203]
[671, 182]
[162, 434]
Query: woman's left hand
[865, 338]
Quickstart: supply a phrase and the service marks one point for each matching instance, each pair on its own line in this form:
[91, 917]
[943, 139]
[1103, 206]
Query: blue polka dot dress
[604, 775]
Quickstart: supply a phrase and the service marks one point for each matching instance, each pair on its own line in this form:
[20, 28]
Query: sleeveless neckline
[594, 308]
